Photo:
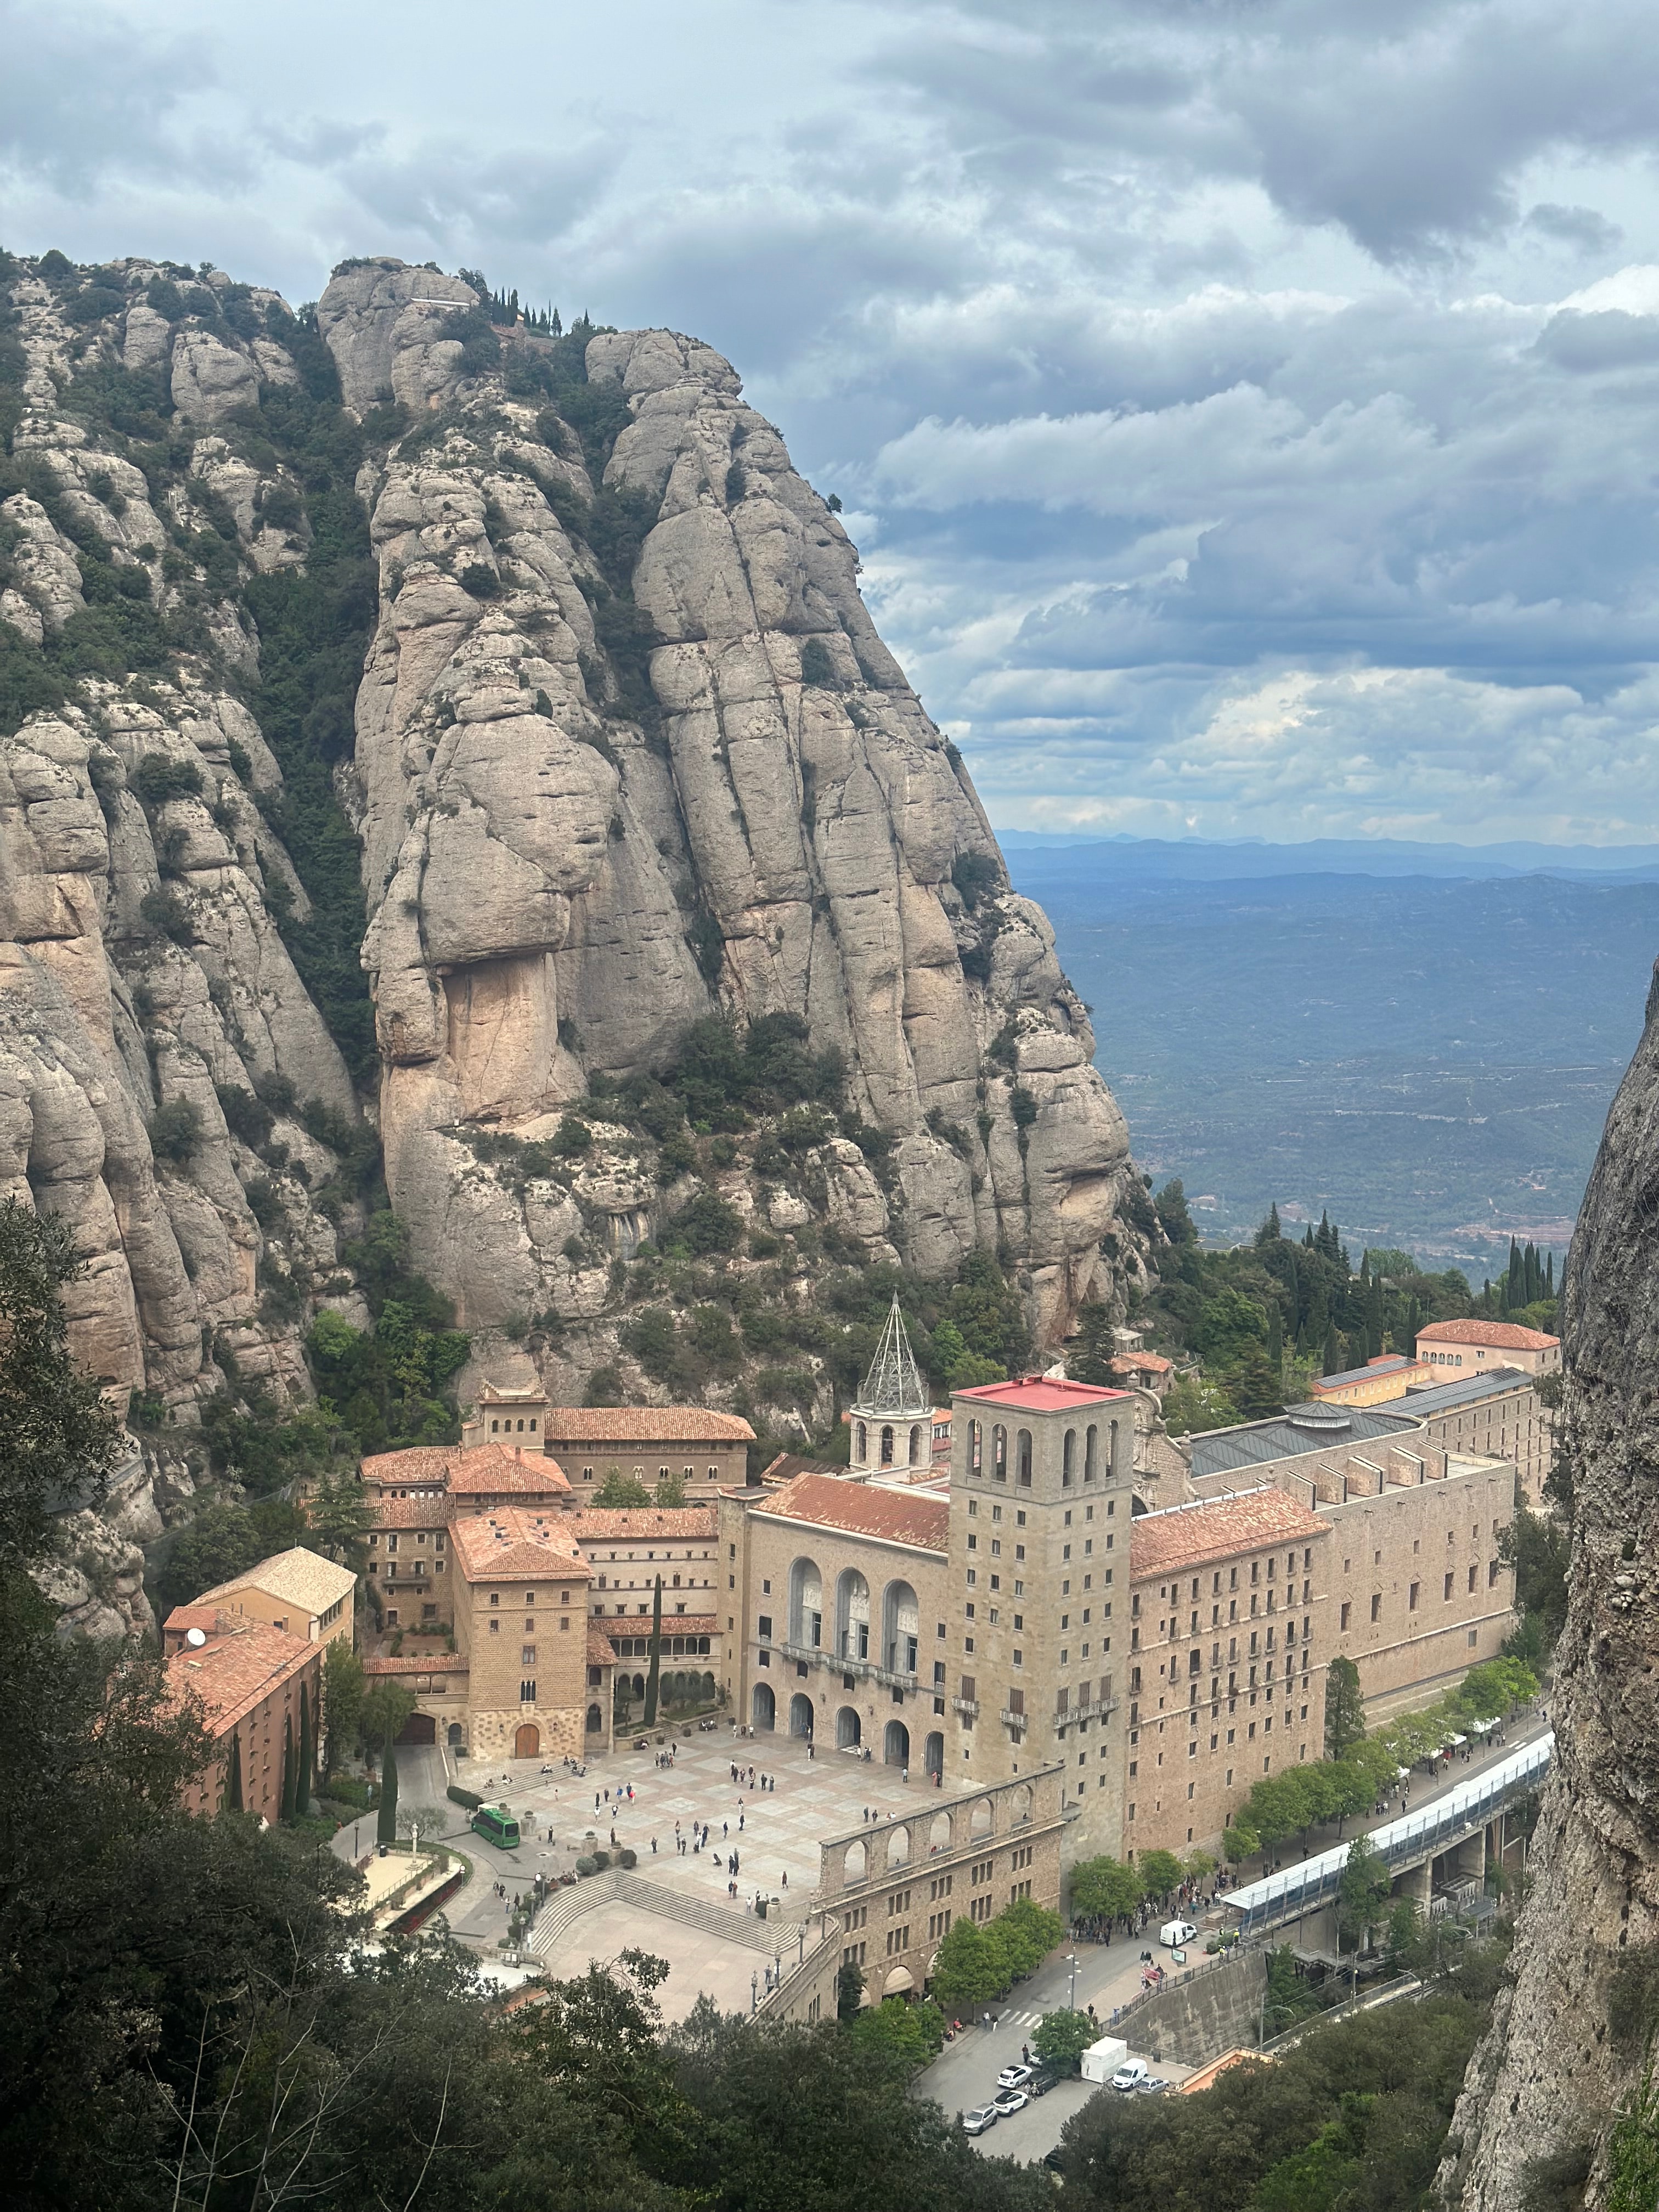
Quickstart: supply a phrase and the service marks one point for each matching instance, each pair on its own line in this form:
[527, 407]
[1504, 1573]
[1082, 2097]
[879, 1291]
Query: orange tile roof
[512, 1544]
[1495, 1335]
[242, 1663]
[492, 1468]
[616, 1524]
[1042, 1393]
[862, 1509]
[411, 1513]
[416, 1464]
[645, 1424]
[599, 1653]
[1183, 1536]
[1131, 1363]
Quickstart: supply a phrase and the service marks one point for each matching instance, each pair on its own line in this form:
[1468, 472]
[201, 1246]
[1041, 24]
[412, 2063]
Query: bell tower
[892, 1415]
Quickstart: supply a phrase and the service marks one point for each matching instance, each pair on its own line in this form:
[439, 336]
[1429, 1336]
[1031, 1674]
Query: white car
[1174, 1932]
[1009, 2101]
[981, 2116]
[1014, 2077]
[1130, 2075]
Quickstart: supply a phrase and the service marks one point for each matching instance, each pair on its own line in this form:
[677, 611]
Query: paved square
[775, 1833]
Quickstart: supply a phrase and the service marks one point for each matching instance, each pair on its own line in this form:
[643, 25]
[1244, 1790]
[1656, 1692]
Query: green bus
[497, 1828]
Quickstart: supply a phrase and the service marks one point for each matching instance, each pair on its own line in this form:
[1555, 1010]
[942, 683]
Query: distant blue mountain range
[1423, 1038]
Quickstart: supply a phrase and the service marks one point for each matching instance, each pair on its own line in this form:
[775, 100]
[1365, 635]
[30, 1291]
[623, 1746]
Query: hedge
[457, 1796]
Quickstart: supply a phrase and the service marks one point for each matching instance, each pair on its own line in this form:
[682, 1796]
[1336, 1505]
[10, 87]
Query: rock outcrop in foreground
[628, 753]
[1552, 2073]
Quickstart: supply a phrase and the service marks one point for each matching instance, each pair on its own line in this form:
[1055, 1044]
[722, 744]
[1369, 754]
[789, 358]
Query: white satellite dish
[196, 1638]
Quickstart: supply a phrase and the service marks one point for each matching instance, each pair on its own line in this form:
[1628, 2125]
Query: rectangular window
[1347, 1615]
[764, 1627]
[1410, 1600]
[527, 1655]
[1376, 1607]
[526, 1693]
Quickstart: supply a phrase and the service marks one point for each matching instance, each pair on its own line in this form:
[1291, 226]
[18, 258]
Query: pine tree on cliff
[651, 1680]
[1270, 1232]
[385, 1828]
[234, 1787]
[285, 1811]
[302, 1779]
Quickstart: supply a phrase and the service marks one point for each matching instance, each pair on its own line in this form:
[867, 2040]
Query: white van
[1174, 1932]
[1130, 2075]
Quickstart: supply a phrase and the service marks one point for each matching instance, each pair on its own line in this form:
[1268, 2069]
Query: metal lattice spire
[893, 1390]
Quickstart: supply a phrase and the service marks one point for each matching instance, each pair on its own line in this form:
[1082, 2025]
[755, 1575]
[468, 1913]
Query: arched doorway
[763, 1708]
[527, 1741]
[595, 1720]
[933, 1757]
[897, 1749]
[457, 1736]
[800, 1715]
[848, 1729]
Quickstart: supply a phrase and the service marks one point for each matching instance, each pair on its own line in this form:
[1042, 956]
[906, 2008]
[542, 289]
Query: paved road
[1109, 1975]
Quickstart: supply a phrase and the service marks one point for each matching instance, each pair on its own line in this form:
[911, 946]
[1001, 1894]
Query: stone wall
[1217, 2007]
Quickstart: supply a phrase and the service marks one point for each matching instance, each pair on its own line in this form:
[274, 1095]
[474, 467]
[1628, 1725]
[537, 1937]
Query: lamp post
[1071, 2001]
[754, 1993]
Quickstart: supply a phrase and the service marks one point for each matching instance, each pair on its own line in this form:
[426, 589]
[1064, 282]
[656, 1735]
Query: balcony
[1018, 1722]
[1087, 1710]
[887, 1676]
[968, 1705]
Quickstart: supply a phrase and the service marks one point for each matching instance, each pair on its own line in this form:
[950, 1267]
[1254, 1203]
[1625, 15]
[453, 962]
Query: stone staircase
[728, 1922]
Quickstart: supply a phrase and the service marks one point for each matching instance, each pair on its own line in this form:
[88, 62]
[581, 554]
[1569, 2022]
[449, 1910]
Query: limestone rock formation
[1550, 2074]
[581, 832]
[626, 754]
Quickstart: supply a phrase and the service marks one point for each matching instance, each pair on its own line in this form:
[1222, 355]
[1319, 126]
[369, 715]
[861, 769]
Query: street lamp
[754, 1992]
[1071, 1963]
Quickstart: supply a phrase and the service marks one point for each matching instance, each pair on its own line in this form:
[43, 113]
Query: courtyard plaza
[725, 1946]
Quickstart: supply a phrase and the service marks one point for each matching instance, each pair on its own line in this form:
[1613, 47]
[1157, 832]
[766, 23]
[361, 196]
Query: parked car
[1015, 2077]
[975, 2122]
[1043, 2079]
[1009, 2101]
[1154, 2085]
[1174, 1932]
[1054, 2160]
[1130, 2075]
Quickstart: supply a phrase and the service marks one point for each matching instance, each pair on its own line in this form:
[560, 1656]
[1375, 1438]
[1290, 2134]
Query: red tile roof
[638, 1524]
[673, 1624]
[242, 1663]
[599, 1653]
[439, 1663]
[667, 1426]
[1135, 1363]
[493, 1471]
[1042, 1393]
[411, 1513]
[1495, 1335]
[511, 1544]
[1184, 1536]
[424, 1463]
[863, 1509]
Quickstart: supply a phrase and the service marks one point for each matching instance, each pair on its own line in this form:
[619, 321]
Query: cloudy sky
[1248, 409]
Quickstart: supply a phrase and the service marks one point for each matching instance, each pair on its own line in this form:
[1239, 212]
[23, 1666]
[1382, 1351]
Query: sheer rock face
[1549, 2074]
[140, 967]
[544, 846]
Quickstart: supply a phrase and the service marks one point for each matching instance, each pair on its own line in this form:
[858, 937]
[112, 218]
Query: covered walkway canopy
[1402, 1843]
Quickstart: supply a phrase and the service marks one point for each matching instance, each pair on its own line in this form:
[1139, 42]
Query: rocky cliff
[627, 753]
[1564, 2055]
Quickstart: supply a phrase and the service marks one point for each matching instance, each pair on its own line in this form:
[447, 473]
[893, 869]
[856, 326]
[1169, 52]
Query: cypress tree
[1517, 1284]
[1374, 1320]
[302, 1779]
[1276, 1338]
[1331, 1361]
[286, 1809]
[1549, 1276]
[234, 1787]
[652, 1679]
[1413, 1322]
[386, 1827]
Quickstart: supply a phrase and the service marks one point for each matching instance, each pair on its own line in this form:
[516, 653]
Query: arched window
[915, 1444]
[1023, 1453]
[860, 1444]
[494, 1427]
[976, 1445]
[887, 1446]
[1067, 1455]
[999, 1452]
[1113, 1439]
[1088, 1454]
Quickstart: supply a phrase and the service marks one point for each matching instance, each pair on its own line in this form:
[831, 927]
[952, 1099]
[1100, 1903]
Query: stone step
[728, 1920]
